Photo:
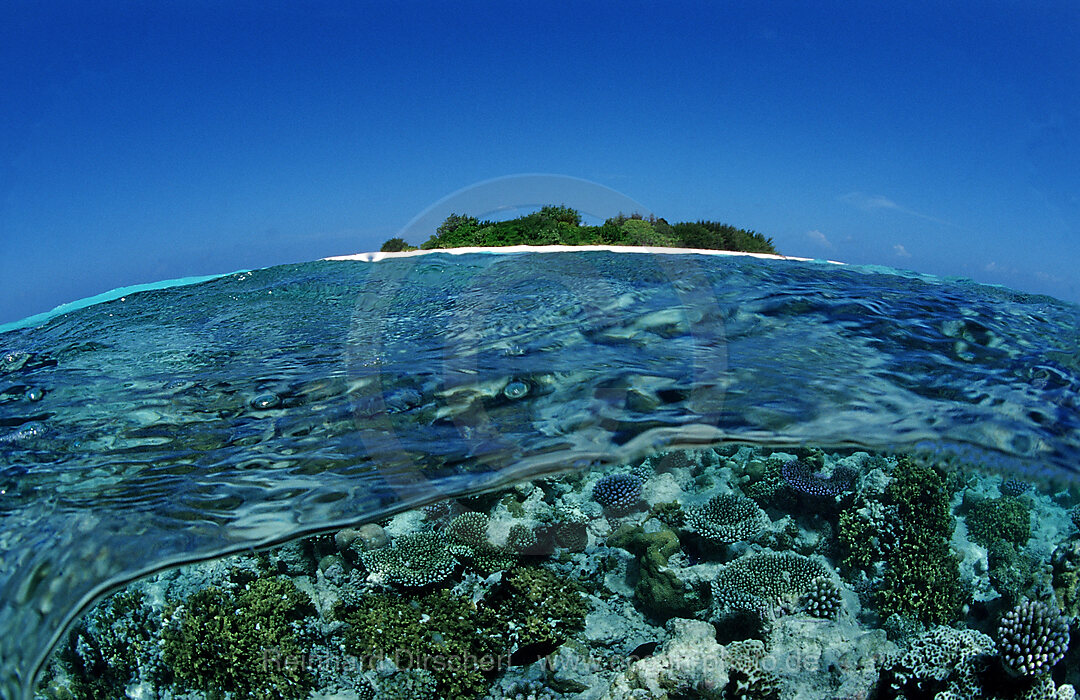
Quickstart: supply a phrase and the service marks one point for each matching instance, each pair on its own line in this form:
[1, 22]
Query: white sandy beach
[377, 256]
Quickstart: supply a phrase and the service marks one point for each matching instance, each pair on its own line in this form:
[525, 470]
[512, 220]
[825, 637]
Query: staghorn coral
[761, 583]
[728, 518]
[1032, 638]
[441, 632]
[544, 608]
[866, 535]
[415, 560]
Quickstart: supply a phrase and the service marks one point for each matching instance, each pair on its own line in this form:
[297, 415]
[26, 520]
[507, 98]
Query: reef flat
[735, 572]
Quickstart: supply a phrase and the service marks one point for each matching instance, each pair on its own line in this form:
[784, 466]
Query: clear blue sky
[144, 141]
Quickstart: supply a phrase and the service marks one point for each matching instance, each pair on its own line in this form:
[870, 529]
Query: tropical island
[561, 225]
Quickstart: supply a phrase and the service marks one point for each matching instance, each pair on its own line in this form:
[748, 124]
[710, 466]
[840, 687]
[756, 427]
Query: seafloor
[731, 573]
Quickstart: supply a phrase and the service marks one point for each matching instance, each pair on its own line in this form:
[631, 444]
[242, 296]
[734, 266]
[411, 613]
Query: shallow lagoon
[735, 518]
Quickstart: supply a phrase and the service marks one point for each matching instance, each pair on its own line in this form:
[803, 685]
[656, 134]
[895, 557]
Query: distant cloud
[875, 202]
[901, 251]
[869, 202]
[819, 238]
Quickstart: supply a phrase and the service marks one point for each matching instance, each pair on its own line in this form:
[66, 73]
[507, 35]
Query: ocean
[607, 461]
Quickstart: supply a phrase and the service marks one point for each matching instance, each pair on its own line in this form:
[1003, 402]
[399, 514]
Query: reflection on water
[178, 425]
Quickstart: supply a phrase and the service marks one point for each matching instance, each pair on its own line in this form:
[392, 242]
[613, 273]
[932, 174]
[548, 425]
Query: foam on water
[183, 423]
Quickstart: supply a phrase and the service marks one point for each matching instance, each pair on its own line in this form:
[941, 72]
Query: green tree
[456, 231]
[561, 213]
[395, 245]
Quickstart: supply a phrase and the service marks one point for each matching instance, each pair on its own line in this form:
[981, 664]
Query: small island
[561, 225]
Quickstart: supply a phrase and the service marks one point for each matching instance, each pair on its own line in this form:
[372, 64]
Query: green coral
[857, 542]
[103, 651]
[763, 490]
[441, 632]
[658, 588]
[1011, 573]
[543, 608]
[247, 643]
[670, 513]
[460, 642]
[865, 535]
[922, 579]
[1006, 518]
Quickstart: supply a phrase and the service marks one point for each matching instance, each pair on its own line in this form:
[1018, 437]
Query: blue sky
[145, 141]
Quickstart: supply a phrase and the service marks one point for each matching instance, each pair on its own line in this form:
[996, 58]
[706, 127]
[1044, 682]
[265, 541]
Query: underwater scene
[544, 475]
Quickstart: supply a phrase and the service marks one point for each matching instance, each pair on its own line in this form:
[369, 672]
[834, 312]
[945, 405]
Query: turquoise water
[176, 425]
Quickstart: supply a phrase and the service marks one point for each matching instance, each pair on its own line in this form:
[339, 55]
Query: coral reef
[800, 476]
[467, 540]
[922, 576]
[219, 640]
[823, 598]
[659, 589]
[416, 560]
[440, 633]
[1006, 518]
[866, 535]
[942, 659]
[728, 518]
[1066, 577]
[610, 584]
[619, 493]
[766, 583]
[1032, 638]
[105, 650]
[1014, 487]
[692, 665]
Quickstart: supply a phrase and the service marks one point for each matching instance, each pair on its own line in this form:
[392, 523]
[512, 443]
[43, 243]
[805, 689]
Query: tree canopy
[561, 225]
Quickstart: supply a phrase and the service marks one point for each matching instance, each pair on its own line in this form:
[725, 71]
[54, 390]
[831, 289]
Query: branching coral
[1007, 518]
[420, 559]
[219, 640]
[761, 583]
[1032, 638]
[922, 578]
[468, 541]
[728, 518]
[823, 598]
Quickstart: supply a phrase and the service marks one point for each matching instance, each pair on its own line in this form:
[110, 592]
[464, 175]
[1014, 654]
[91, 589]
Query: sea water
[172, 426]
